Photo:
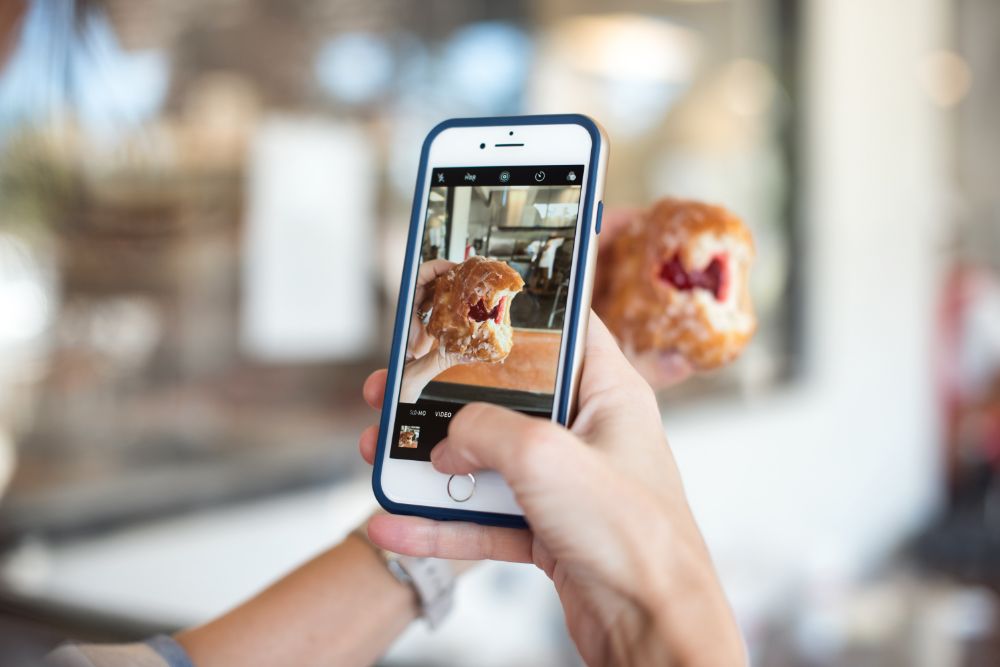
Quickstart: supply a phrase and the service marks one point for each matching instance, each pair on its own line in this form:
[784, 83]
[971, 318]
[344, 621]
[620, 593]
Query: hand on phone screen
[420, 342]
[423, 360]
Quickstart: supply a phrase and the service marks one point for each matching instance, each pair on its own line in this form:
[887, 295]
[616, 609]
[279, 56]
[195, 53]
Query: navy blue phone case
[409, 270]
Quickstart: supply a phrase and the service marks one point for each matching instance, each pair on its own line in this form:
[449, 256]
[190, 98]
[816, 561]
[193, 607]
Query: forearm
[341, 608]
[679, 614]
[700, 630]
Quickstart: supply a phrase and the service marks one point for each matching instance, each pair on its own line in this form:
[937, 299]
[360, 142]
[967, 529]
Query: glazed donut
[470, 317]
[676, 280]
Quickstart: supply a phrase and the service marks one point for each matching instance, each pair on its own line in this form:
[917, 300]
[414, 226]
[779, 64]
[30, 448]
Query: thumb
[483, 436]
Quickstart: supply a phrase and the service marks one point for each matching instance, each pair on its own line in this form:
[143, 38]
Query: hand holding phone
[609, 521]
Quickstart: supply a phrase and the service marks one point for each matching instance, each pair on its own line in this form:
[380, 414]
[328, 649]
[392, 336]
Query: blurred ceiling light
[626, 69]
[355, 68]
[628, 47]
[748, 87]
[486, 64]
[945, 77]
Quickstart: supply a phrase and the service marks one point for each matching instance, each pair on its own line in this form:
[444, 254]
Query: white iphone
[494, 300]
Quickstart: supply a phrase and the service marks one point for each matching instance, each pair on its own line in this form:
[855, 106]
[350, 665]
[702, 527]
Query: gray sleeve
[160, 651]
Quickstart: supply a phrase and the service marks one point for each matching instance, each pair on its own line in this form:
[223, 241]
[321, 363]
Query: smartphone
[494, 299]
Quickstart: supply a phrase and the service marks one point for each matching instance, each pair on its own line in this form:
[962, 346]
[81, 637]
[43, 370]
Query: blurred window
[205, 207]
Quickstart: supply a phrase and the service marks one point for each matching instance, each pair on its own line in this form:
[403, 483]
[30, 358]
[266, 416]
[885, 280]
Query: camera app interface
[490, 297]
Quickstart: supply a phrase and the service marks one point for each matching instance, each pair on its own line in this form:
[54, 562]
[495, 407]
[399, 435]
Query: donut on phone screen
[471, 310]
[676, 280]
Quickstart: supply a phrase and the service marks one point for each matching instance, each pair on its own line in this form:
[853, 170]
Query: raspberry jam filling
[714, 277]
[479, 313]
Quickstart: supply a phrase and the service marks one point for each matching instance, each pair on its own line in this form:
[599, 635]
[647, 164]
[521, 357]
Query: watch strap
[432, 579]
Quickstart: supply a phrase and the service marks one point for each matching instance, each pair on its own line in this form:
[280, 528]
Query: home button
[461, 487]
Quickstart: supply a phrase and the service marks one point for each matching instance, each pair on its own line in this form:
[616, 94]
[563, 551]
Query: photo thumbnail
[409, 437]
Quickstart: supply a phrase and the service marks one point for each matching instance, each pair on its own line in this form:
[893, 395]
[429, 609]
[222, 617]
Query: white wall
[822, 478]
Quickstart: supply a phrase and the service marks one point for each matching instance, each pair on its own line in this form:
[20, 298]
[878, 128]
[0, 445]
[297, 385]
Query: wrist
[684, 613]
[438, 362]
[376, 563]
[431, 581]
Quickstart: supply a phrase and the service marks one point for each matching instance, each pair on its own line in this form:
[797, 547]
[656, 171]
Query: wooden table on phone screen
[530, 366]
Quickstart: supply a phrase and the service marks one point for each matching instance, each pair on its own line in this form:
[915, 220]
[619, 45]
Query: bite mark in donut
[714, 277]
[478, 312]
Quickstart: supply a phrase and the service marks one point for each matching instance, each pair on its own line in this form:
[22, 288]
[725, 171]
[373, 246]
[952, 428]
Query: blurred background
[203, 209]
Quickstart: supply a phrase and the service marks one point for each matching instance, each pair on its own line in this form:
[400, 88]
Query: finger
[431, 269]
[671, 368]
[482, 436]
[427, 273]
[662, 369]
[425, 538]
[368, 442]
[374, 388]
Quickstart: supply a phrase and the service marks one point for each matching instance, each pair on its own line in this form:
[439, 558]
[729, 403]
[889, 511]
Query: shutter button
[461, 487]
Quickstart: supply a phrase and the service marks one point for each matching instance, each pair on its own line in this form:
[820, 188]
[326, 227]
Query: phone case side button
[600, 216]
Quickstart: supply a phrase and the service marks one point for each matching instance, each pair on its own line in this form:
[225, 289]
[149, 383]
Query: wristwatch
[432, 579]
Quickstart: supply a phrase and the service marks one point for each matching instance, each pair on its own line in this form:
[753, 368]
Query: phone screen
[523, 220]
